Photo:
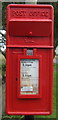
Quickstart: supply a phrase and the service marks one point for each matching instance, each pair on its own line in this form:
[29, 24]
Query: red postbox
[29, 65]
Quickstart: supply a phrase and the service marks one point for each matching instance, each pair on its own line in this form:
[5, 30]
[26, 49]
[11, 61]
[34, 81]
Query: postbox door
[38, 103]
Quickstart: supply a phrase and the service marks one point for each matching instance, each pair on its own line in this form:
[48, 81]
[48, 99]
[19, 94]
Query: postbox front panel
[29, 65]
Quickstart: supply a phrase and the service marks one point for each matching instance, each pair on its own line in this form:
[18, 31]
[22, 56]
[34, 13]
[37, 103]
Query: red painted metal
[29, 27]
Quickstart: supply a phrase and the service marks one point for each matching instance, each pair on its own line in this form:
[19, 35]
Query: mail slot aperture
[23, 28]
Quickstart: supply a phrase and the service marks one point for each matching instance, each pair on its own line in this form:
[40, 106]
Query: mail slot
[29, 59]
[28, 25]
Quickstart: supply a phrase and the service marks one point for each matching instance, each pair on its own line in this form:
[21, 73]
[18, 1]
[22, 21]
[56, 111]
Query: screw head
[30, 33]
